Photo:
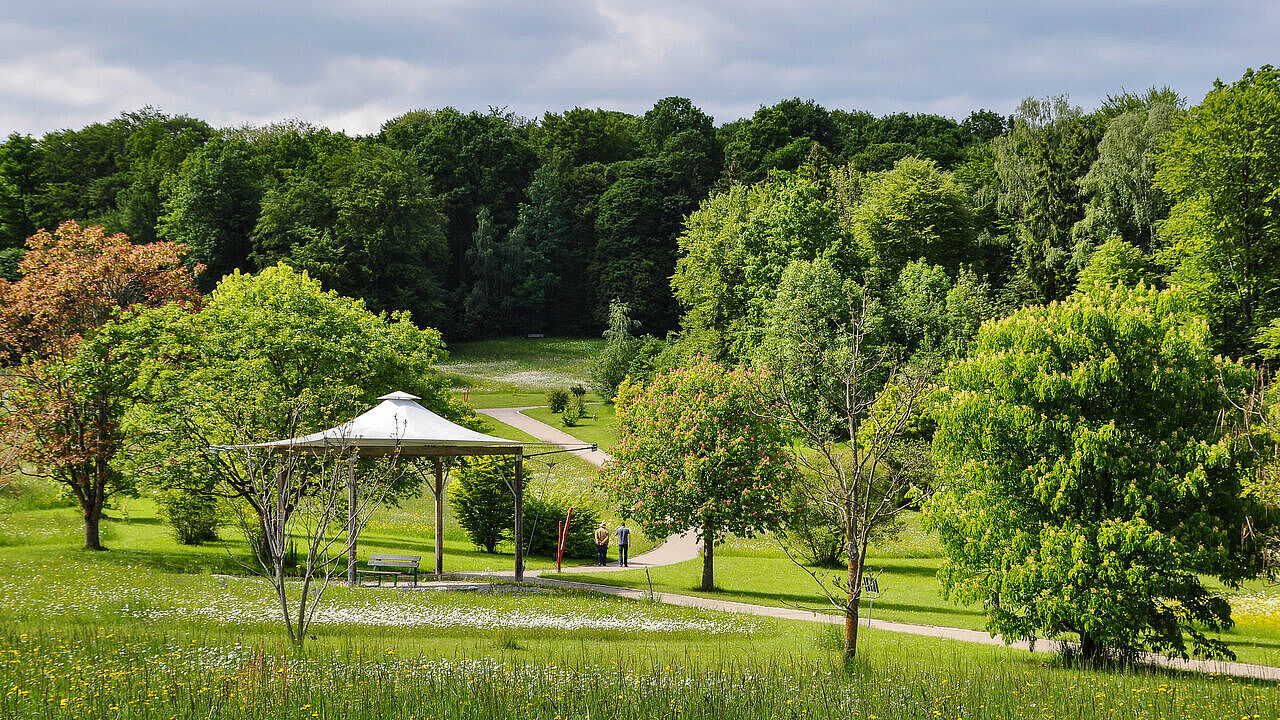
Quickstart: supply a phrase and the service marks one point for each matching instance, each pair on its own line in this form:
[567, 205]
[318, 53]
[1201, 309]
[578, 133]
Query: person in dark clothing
[624, 539]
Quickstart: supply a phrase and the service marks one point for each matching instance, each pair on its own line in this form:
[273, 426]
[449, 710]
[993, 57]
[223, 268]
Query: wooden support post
[439, 517]
[353, 529]
[518, 490]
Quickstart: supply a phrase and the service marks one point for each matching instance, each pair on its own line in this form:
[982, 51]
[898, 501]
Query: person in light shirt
[602, 544]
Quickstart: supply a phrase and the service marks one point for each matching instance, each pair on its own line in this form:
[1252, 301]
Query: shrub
[558, 400]
[572, 415]
[483, 502]
[579, 393]
[542, 516]
[193, 516]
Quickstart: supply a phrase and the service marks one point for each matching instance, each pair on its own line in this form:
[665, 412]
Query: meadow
[153, 629]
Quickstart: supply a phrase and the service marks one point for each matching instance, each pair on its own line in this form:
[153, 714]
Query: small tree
[482, 500]
[1088, 481]
[620, 347]
[558, 400]
[695, 452]
[74, 370]
[304, 498]
[851, 404]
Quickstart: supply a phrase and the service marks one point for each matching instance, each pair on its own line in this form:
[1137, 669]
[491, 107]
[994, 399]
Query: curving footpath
[681, 548]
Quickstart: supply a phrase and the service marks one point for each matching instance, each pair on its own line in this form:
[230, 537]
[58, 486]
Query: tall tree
[914, 211]
[778, 137]
[545, 299]
[212, 204]
[1087, 482]
[1221, 169]
[1123, 201]
[1039, 163]
[847, 399]
[18, 155]
[74, 373]
[695, 453]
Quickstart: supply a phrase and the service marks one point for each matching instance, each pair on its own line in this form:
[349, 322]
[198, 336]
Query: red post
[564, 536]
[559, 542]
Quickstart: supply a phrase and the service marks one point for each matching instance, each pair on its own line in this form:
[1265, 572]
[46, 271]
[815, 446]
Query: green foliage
[1086, 482]
[1115, 262]
[481, 498]
[572, 415]
[193, 515]
[914, 211]
[1221, 168]
[261, 346]
[558, 399]
[624, 355]
[1122, 198]
[733, 250]
[543, 512]
[1039, 164]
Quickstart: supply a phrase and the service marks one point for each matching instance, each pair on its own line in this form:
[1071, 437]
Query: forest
[489, 224]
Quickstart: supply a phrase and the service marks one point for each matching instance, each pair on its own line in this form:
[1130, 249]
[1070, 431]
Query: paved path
[679, 548]
[544, 432]
[676, 549]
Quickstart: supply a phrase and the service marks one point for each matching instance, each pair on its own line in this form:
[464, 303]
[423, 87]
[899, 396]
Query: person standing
[602, 544]
[624, 539]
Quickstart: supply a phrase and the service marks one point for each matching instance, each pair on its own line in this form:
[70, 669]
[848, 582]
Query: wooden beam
[518, 491]
[353, 530]
[439, 490]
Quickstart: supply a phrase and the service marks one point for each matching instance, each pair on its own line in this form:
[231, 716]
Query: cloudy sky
[353, 65]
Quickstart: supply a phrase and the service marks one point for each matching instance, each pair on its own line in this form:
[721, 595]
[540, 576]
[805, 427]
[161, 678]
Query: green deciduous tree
[1221, 169]
[1087, 483]
[914, 211]
[695, 453]
[259, 348]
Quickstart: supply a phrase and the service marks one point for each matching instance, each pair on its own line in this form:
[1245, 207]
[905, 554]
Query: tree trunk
[92, 517]
[353, 529]
[708, 552]
[855, 595]
[1090, 649]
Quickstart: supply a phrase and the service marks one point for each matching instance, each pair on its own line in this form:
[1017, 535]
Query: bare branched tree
[852, 405]
[302, 497]
[1258, 425]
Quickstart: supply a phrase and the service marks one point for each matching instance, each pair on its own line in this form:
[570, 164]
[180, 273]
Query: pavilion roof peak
[399, 395]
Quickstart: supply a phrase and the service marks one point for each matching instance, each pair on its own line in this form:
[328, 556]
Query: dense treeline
[478, 223]
[488, 223]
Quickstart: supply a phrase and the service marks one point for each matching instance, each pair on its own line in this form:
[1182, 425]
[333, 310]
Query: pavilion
[400, 426]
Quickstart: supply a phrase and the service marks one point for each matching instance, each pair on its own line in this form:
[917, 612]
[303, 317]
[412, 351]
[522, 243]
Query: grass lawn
[521, 364]
[147, 631]
[601, 430]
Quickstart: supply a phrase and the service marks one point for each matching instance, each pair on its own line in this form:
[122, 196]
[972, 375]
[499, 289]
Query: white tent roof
[397, 422]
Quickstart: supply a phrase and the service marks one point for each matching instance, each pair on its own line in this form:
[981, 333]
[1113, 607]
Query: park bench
[871, 591]
[402, 566]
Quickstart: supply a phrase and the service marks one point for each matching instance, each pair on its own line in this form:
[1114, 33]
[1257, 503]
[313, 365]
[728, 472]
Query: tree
[778, 137]
[1123, 200]
[914, 211]
[620, 348]
[260, 346]
[1039, 163]
[695, 452]
[830, 379]
[543, 298]
[1115, 262]
[1087, 483]
[212, 203]
[74, 371]
[304, 497]
[483, 502]
[1221, 168]
[735, 246]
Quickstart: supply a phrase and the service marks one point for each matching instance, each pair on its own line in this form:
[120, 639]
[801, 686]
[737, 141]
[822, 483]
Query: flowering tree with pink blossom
[697, 452]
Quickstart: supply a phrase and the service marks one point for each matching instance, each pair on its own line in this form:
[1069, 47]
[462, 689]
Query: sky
[354, 65]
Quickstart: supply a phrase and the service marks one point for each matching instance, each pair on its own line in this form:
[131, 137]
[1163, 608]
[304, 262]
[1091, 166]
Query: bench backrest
[399, 561]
